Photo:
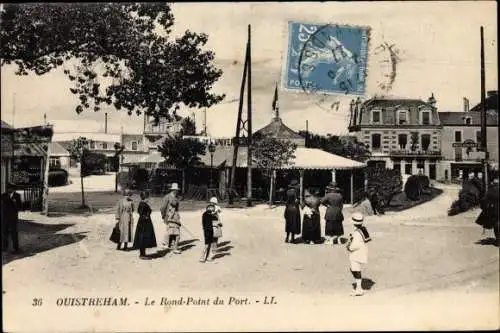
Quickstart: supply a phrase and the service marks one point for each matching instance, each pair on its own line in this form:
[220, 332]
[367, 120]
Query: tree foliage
[183, 153]
[121, 54]
[77, 146]
[271, 154]
[346, 146]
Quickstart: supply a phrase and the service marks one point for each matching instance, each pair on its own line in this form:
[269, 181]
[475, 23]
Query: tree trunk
[271, 188]
[81, 181]
[183, 181]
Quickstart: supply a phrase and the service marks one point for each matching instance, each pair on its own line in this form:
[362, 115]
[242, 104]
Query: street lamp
[211, 149]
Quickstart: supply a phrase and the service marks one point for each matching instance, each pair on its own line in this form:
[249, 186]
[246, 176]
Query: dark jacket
[489, 206]
[207, 220]
[10, 208]
[291, 197]
[334, 203]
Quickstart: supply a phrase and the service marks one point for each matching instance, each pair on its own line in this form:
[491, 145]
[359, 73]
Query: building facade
[461, 140]
[402, 134]
[59, 157]
[7, 154]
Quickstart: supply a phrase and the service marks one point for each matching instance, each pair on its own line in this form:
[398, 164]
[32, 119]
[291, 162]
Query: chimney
[106, 123]
[432, 100]
[466, 104]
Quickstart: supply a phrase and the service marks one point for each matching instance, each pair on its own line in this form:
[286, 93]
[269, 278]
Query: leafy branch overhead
[120, 53]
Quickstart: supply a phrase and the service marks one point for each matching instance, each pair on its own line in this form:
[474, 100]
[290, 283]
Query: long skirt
[144, 234]
[334, 228]
[125, 225]
[292, 219]
[311, 228]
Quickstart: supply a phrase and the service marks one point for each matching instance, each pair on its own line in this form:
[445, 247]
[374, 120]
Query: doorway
[432, 172]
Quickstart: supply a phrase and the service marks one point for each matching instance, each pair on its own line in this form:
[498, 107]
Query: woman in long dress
[334, 202]
[144, 233]
[292, 213]
[124, 219]
[311, 225]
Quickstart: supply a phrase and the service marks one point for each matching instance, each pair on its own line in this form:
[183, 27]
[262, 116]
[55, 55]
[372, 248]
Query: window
[402, 141]
[402, 117]
[376, 117]
[92, 144]
[458, 154]
[426, 117]
[397, 166]
[425, 141]
[458, 136]
[467, 121]
[408, 167]
[376, 141]
[55, 163]
[104, 145]
[134, 145]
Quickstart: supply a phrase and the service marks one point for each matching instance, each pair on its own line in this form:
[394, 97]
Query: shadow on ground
[488, 241]
[35, 238]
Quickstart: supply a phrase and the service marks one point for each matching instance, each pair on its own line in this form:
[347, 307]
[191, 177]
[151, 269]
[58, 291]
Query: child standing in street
[217, 223]
[208, 219]
[358, 251]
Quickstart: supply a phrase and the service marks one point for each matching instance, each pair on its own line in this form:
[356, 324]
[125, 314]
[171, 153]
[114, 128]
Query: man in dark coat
[207, 220]
[489, 204]
[11, 205]
[292, 212]
[334, 202]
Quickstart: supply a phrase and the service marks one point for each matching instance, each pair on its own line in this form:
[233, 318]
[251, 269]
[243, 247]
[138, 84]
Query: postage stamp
[328, 59]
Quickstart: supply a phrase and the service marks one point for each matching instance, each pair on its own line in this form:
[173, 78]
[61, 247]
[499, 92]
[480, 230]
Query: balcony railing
[417, 152]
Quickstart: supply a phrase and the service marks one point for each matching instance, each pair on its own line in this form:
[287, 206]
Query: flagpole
[249, 120]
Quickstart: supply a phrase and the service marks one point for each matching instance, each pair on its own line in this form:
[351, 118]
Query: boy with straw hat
[358, 251]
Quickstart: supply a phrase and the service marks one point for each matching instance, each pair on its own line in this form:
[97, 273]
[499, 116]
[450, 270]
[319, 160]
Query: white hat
[213, 200]
[174, 186]
[357, 218]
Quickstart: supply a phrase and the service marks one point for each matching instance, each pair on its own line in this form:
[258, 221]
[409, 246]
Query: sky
[438, 44]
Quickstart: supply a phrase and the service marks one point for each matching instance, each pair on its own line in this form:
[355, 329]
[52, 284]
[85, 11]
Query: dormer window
[92, 144]
[134, 145]
[104, 145]
[402, 117]
[467, 121]
[425, 117]
[376, 117]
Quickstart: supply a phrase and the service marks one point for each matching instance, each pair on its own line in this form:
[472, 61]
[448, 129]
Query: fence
[33, 198]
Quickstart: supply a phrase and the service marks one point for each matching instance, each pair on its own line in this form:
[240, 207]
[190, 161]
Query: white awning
[313, 158]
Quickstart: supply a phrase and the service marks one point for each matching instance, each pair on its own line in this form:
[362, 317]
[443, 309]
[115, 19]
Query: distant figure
[124, 219]
[477, 181]
[170, 215]
[11, 205]
[144, 233]
[292, 212]
[208, 219]
[334, 202]
[488, 218]
[376, 202]
[358, 251]
[311, 225]
[217, 225]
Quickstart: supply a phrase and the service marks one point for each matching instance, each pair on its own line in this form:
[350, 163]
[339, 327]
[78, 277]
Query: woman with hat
[358, 251]
[311, 225]
[144, 232]
[170, 215]
[334, 203]
[124, 219]
[292, 212]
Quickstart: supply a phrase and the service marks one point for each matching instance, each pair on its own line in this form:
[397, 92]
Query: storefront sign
[466, 144]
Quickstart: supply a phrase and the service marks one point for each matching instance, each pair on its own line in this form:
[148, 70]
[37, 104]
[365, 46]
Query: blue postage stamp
[328, 58]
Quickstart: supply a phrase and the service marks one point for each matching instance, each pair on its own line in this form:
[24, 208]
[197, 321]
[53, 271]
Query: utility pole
[484, 145]
[249, 120]
[240, 126]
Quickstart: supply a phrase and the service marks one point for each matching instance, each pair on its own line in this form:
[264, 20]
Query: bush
[468, 197]
[140, 177]
[58, 177]
[386, 183]
[93, 163]
[413, 188]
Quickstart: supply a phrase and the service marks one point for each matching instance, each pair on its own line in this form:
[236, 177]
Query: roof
[55, 149]
[277, 129]
[6, 127]
[104, 137]
[457, 118]
[392, 102]
[491, 102]
[305, 158]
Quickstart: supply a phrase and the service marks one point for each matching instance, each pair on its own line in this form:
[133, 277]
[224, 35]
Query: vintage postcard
[218, 167]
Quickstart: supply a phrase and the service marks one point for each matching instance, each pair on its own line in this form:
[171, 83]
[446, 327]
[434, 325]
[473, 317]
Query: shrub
[140, 177]
[413, 188]
[386, 183]
[468, 197]
[58, 177]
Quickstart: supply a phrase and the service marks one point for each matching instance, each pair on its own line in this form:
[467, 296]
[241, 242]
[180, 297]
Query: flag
[275, 99]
